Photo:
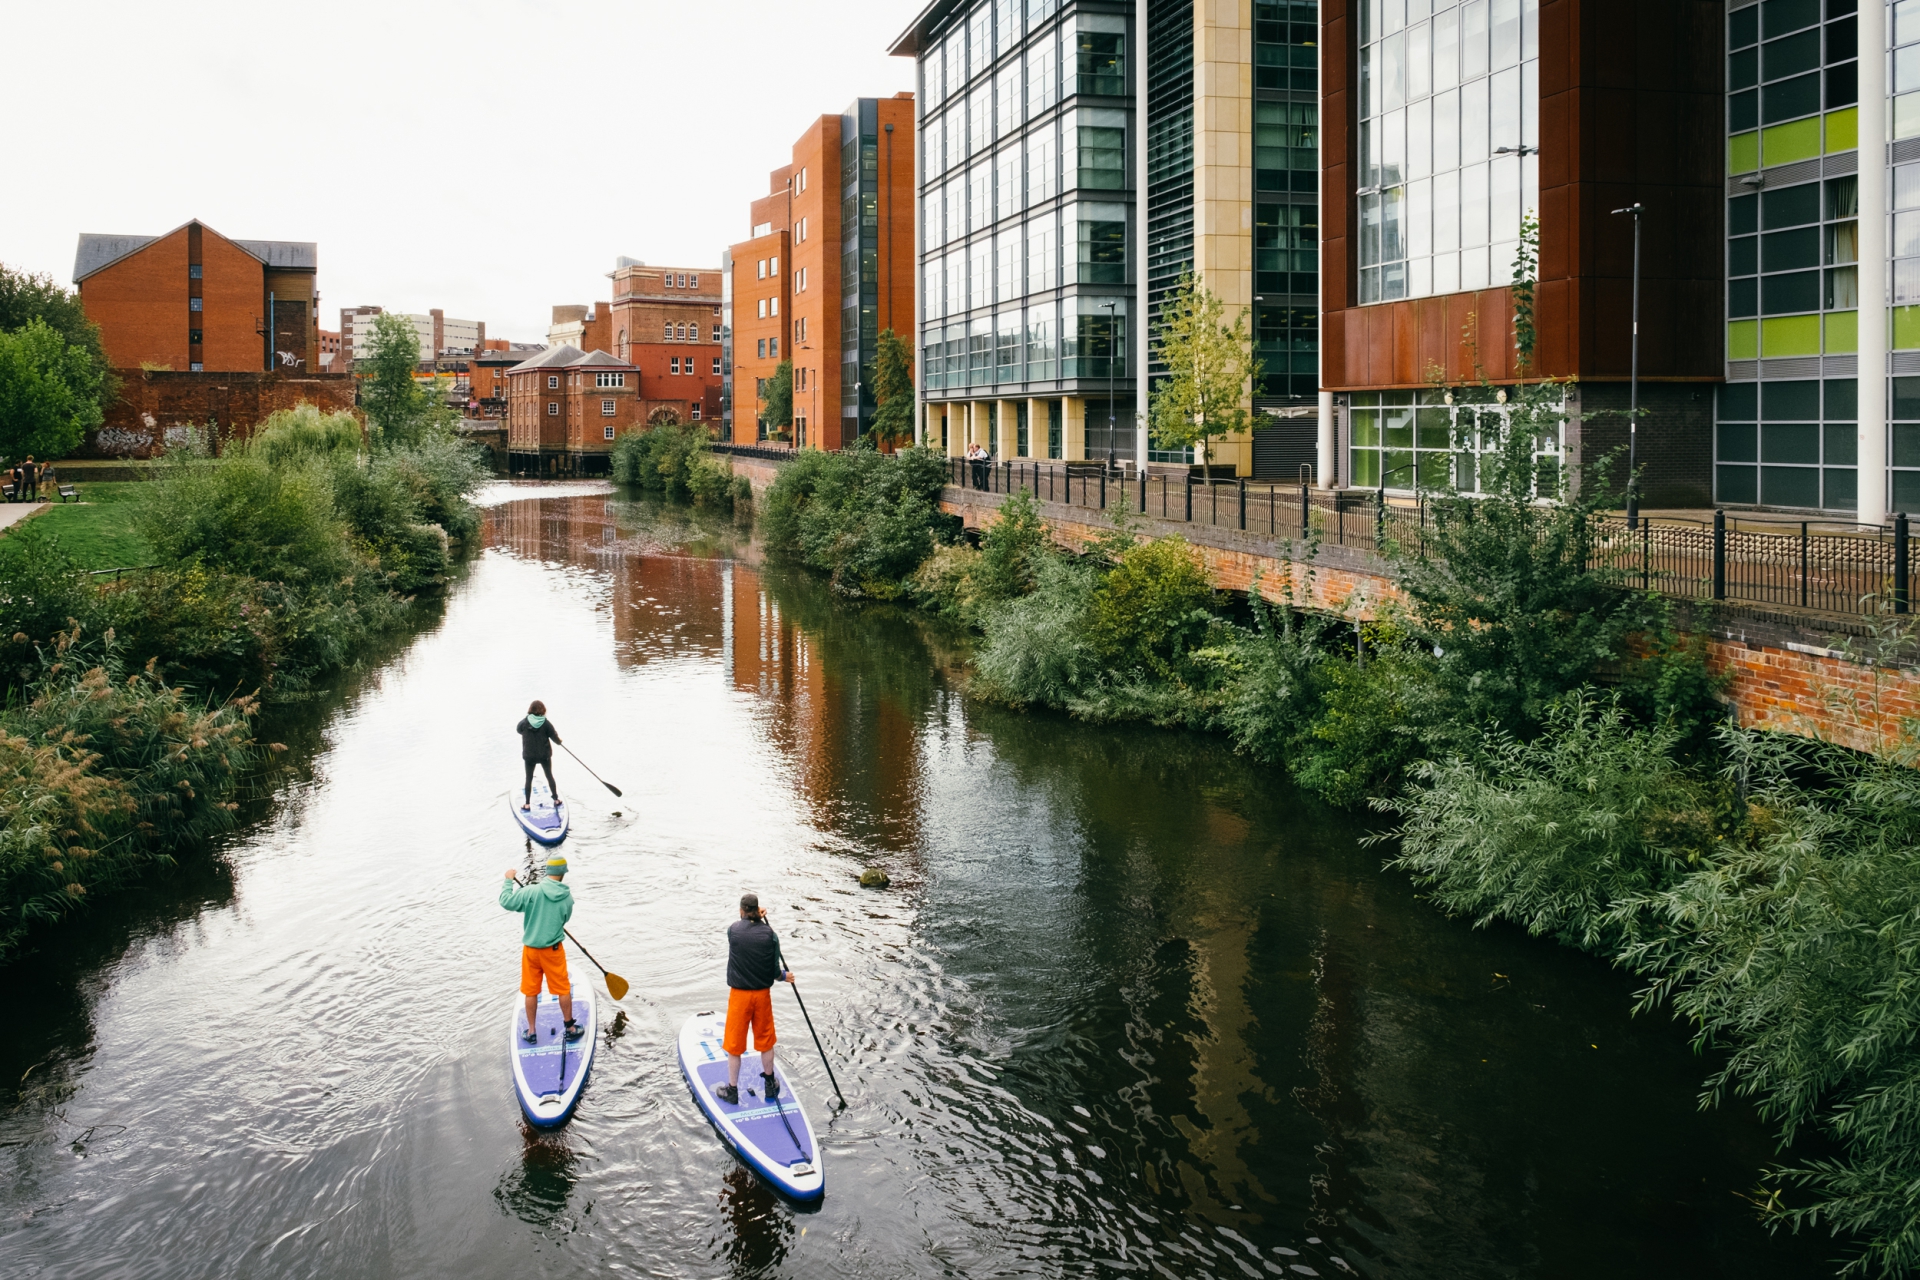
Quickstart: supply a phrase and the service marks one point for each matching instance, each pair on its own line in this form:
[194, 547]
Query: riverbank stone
[874, 878]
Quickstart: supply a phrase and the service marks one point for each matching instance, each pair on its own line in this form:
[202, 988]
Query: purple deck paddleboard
[545, 819]
[772, 1135]
[549, 1075]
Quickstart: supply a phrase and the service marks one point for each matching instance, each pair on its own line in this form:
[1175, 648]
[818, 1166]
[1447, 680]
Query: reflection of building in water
[852, 745]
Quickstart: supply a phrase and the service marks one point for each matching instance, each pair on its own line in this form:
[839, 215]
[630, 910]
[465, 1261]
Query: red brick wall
[749, 329]
[140, 304]
[233, 284]
[816, 309]
[136, 424]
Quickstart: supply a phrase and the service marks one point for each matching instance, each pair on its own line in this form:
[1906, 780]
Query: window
[607, 431]
[194, 336]
[1286, 248]
[773, 348]
[553, 381]
[800, 280]
[773, 306]
[674, 365]
[803, 179]
[763, 269]
[760, 349]
[1449, 123]
[694, 408]
[193, 304]
[774, 269]
[693, 281]
[1103, 244]
[1102, 150]
[609, 379]
[193, 271]
[606, 410]
[196, 367]
[1102, 62]
[553, 408]
[761, 309]
[683, 281]
[680, 333]
[716, 366]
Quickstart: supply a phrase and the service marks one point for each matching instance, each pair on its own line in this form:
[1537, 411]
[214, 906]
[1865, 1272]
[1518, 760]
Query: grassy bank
[125, 703]
[102, 529]
[1550, 752]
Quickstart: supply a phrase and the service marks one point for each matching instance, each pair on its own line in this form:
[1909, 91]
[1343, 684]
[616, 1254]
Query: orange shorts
[550, 962]
[746, 1008]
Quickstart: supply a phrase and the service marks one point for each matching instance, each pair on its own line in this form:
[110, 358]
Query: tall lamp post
[1633, 394]
[1109, 305]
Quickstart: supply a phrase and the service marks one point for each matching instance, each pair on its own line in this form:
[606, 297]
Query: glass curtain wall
[1286, 212]
[1026, 204]
[1784, 436]
[859, 262]
[1414, 441]
[1449, 135]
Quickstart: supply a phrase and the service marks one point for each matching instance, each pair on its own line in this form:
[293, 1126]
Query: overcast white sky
[490, 157]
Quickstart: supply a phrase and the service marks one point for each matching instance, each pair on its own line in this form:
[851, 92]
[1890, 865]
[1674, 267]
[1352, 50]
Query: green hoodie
[548, 906]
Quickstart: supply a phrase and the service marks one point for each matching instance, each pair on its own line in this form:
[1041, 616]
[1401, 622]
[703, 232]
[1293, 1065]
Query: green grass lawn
[98, 530]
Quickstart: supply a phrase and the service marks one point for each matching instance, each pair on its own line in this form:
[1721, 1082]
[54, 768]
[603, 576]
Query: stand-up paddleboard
[771, 1135]
[544, 820]
[549, 1075]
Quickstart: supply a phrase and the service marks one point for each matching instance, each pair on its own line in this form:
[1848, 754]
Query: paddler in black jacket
[536, 748]
[753, 966]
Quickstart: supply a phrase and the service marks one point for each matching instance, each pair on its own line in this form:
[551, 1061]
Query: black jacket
[753, 955]
[533, 742]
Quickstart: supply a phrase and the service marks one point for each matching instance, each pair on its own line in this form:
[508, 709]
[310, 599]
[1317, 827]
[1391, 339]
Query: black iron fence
[1818, 565]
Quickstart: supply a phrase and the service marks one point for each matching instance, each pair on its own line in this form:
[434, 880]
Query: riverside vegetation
[127, 703]
[1551, 750]
[671, 458]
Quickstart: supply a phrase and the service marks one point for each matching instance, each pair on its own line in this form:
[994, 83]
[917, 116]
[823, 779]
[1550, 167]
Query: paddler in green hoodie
[547, 907]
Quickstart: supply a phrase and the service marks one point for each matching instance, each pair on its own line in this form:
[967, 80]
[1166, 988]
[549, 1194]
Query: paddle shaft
[616, 985]
[589, 768]
[815, 1034]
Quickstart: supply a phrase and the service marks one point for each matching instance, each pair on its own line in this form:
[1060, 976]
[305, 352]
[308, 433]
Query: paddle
[813, 1033]
[589, 768]
[616, 985]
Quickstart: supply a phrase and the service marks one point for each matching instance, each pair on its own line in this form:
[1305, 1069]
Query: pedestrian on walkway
[30, 476]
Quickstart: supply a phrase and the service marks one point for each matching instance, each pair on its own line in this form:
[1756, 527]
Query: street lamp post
[1633, 393]
[1109, 304]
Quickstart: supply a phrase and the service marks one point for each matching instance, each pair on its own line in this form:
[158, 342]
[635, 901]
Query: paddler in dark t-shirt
[536, 739]
[753, 966]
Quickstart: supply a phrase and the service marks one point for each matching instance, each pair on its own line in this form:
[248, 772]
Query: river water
[1130, 1007]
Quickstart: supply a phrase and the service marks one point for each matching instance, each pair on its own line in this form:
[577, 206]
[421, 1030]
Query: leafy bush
[1269, 679]
[1554, 833]
[101, 772]
[672, 458]
[960, 582]
[1152, 609]
[1795, 947]
[243, 514]
[1036, 648]
[866, 519]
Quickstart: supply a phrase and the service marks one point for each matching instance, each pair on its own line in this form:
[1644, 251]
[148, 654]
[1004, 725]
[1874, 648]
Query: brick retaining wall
[1790, 672]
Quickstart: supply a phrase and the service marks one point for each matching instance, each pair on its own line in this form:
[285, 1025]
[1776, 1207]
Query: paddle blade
[609, 786]
[616, 986]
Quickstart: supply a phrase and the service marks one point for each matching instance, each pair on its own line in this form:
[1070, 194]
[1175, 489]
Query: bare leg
[533, 1007]
[766, 1062]
[733, 1069]
[566, 1006]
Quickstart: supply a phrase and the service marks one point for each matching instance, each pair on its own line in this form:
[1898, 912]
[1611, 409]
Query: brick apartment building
[666, 322]
[816, 286]
[193, 300]
[564, 409]
[329, 360]
[487, 369]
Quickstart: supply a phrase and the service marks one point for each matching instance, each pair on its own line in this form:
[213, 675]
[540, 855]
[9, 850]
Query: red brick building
[193, 300]
[564, 408]
[827, 294]
[665, 321]
[761, 306]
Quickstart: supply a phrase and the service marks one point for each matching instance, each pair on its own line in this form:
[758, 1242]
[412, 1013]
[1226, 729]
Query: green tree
[400, 410]
[1211, 368]
[892, 390]
[25, 297]
[777, 394]
[49, 392]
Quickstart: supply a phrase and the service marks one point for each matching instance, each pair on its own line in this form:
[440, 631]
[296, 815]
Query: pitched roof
[601, 357]
[552, 358]
[98, 250]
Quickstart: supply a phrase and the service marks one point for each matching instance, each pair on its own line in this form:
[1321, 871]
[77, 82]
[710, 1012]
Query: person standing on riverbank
[546, 906]
[753, 966]
[537, 738]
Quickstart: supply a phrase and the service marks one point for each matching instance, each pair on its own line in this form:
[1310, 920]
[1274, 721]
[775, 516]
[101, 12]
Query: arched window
[669, 337]
[681, 332]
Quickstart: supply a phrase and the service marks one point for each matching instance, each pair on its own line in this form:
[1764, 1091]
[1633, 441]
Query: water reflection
[1132, 1008]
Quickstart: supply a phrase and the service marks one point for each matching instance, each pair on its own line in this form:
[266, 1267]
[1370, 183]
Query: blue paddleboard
[544, 820]
[549, 1075]
[771, 1135]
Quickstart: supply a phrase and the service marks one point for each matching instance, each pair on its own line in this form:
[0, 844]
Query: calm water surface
[1131, 1007]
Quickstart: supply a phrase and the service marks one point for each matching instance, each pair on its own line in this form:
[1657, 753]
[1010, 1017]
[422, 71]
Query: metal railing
[1820, 566]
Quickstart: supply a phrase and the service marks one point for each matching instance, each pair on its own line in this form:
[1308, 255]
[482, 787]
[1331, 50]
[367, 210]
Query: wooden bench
[6, 491]
[68, 492]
